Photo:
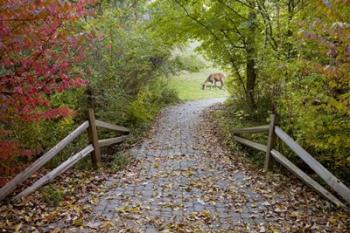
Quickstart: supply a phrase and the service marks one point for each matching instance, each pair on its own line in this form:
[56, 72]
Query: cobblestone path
[184, 181]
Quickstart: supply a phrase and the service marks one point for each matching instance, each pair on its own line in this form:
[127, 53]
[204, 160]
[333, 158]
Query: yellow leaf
[333, 220]
[136, 210]
[78, 222]
[18, 227]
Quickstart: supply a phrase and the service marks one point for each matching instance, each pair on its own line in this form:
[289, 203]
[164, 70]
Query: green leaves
[291, 57]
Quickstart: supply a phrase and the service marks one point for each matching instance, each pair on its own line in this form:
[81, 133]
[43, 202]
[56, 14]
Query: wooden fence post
[93, 138]
[270, 143]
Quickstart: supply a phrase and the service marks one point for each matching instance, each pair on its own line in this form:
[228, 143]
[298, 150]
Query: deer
[213, 78]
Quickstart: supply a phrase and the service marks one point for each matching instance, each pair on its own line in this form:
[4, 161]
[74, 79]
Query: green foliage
[142, 109]
[149, 101]
[190, 63]
[126, 66]
[52, 195]
[120, 161]
[230, 117]
[53, 132]
[287, 57]
[169, 96]
[124, 63]
[41, 136]
[317, 109]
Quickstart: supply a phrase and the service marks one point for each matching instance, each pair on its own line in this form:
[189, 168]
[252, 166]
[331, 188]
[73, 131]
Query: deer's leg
[222, 84]
[205, 85]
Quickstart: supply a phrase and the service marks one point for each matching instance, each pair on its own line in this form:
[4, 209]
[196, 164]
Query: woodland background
[58, 58]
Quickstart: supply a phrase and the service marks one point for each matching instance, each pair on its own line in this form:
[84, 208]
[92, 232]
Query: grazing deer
[213, 78]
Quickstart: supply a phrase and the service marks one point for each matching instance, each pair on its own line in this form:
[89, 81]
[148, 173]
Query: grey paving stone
[167, 184]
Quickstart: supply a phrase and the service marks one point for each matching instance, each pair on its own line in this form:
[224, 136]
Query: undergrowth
[120, 161]
[229, 117]
[52, 195]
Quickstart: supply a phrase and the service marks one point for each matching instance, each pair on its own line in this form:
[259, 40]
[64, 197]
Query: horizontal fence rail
[294, 169]
[93, 148]
[57, 171]
[274, 131]
[305, 178]
[111, 127]
[258, 129]
[21, 177]
[111, 141]
[326, 175]
[251, 144]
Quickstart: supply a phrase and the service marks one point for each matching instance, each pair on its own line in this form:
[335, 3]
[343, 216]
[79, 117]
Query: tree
[288, 56]
[40, 43]
[321, 93]
[125, 62]
[229, 32]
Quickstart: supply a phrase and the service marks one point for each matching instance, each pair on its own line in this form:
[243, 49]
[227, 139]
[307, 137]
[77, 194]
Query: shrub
[149, 101]
[169, 96]
[191, 63]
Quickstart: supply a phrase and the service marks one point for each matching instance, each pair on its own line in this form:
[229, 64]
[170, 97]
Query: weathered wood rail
[93, 148]
[275, 132]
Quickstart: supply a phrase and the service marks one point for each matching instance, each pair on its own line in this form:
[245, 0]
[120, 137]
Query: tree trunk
[251, 60]
[90, 97]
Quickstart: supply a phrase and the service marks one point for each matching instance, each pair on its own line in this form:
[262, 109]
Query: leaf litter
[210, 190]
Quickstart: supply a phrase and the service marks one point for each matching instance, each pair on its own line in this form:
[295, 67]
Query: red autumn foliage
[39, 44]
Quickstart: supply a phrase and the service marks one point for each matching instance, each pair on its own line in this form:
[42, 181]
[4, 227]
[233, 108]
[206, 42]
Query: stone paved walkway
[184, 182]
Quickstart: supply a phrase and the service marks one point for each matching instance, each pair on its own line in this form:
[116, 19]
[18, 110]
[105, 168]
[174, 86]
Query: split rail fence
[275, 132]
[93, 148]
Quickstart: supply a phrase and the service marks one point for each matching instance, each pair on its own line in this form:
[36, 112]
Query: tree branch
[234, 64]
[208, 29]
[267, 20]
[232, 9]
[230, 41]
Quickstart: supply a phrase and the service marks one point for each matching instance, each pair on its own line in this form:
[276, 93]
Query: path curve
[184, 181]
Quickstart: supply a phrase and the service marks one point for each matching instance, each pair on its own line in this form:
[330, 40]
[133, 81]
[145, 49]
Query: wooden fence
[93, 148]
[275, 132]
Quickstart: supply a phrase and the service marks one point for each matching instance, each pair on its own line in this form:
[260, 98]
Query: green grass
[189, 86]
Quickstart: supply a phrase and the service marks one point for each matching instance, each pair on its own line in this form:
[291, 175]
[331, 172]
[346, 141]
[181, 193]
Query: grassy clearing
[188, 86]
